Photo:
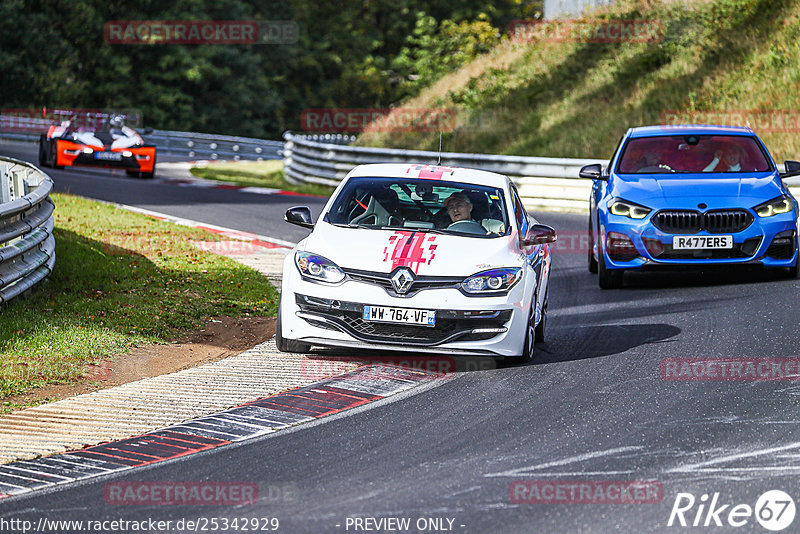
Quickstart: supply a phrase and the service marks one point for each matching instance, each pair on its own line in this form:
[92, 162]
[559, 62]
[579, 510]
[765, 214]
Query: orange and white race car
[113, 145]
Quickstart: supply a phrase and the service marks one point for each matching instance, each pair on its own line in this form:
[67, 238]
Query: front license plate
[386, 314]
[701, 242]
[109, 156]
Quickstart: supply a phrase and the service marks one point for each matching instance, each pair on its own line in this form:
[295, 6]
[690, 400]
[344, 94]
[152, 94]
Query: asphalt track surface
[259, 214]
[592, 406]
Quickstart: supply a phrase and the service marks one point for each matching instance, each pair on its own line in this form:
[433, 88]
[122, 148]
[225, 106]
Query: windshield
[426, 205]
[693, 154]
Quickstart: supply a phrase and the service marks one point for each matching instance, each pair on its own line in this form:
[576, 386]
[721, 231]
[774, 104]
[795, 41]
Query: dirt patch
[222, 337]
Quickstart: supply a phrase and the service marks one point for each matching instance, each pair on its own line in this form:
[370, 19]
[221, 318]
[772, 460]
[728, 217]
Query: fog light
[617, 242]
[127, 153]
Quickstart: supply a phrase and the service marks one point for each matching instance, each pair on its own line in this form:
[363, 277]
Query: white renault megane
[418, 258]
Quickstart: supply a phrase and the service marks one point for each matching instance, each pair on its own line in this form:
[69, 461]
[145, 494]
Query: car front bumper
[752, 246]
[141, 159]
[321, 314]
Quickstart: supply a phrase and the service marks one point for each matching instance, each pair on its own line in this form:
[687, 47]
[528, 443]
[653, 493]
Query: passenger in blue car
[728, 159]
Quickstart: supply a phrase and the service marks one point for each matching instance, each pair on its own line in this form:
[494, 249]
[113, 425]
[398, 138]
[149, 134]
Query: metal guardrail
[212, 146]
[27, 245]
[189, 144]
[542, 182]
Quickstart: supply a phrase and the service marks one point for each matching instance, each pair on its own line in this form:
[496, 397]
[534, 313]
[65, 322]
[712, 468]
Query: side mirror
[299, 215]
[539, 234]
[791, 168]
[592, 172]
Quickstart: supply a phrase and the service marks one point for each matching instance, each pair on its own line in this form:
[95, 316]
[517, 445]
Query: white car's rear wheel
[540, 328]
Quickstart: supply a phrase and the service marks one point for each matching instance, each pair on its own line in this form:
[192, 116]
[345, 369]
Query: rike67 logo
[774, 510]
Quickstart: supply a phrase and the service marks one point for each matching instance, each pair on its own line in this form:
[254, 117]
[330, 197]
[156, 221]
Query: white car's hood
[427, 254]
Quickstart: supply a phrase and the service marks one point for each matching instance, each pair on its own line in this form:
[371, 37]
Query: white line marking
[572, 459]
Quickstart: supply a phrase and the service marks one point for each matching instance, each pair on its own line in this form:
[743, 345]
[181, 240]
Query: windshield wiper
[414, 229]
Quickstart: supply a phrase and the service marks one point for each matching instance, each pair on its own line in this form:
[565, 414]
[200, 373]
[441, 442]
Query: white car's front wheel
[287, 345]
[530, 338]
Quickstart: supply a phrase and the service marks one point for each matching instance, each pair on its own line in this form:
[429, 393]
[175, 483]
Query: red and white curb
[355, 388]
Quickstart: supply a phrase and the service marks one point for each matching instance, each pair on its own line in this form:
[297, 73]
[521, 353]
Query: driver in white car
[458, 207]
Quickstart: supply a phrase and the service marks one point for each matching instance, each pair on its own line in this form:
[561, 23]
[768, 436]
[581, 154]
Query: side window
[607, 170]
[520, 214]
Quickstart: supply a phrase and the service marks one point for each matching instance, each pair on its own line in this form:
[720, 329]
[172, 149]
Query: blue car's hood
[742, 190]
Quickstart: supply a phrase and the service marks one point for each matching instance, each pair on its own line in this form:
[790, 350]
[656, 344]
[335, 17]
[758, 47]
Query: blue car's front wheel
[607, 278]
[592, 261]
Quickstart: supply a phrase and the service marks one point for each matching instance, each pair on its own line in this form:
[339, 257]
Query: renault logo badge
[402, 280]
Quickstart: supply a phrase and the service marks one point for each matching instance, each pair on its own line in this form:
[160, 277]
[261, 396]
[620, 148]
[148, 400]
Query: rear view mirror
[592, 172]
[539, 234]
[299, 215]
[791, 168]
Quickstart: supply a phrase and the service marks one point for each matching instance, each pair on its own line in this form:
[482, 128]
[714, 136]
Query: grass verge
[575, 99]
[121, 279]
[257, 174]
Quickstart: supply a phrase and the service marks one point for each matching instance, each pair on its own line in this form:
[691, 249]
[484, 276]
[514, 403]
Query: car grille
[450, 325]
[664, 251]
[713, 222]
[420, 282]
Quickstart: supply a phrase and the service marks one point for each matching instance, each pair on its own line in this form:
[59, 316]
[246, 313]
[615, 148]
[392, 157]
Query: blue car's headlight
[776, 206]
[493, 281]
[624, 208]
[318, 268]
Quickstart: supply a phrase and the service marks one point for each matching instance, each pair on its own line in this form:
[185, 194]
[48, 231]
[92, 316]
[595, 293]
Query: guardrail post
[18, 184]
[5, 185]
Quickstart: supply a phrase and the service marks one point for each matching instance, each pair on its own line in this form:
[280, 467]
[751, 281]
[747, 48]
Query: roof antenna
[439, 161]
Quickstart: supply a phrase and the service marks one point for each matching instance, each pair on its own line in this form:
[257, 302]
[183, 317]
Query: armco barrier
[27, 245]
[208, 146]
[190, 144]
[543, 182]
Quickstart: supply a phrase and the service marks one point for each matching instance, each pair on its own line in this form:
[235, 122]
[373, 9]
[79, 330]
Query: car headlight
[492, 281]
[624, 208]
[318, 268]
[775, 206]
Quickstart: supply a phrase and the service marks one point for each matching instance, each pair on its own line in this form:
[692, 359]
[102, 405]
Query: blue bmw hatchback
[690, 196]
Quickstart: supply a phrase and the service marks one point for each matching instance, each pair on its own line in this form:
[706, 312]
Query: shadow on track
[586, 342]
